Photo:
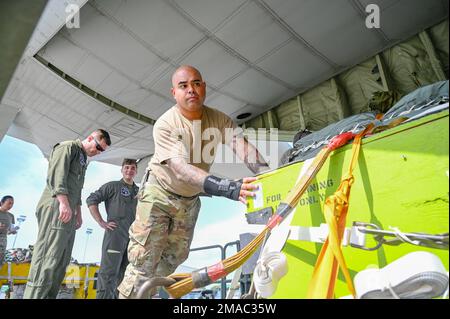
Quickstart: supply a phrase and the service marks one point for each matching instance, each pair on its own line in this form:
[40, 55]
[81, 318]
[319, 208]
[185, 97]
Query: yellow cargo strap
[335, 211]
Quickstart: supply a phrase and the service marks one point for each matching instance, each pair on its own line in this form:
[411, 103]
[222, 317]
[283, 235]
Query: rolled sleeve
[100, 195]
[58, 170]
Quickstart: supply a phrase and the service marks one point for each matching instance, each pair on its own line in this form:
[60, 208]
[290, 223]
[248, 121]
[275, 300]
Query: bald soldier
[120, 204]
[58, 213]
[168, 201]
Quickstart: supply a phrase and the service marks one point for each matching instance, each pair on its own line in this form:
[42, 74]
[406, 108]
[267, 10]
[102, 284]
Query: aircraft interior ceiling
[111, 68]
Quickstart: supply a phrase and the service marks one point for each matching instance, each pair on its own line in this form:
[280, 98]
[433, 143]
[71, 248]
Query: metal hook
[153, 283]
[362, 227]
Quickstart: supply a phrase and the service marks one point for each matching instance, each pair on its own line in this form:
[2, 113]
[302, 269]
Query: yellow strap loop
[335, 212]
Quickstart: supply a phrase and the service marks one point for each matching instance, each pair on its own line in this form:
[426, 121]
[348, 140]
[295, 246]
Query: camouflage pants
[3, 242]
[160, 236]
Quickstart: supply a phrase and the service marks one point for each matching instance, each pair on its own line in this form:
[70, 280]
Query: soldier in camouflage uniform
[168, 201]
[6, 225]
[58, 213]
[120, 199]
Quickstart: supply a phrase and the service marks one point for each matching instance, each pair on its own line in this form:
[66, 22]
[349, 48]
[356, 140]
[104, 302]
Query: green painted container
[401, 180]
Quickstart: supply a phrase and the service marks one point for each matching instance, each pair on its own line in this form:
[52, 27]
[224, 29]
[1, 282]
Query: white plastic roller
[270, 268]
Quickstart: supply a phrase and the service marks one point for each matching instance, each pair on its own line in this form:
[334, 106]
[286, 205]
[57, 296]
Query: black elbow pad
[217, 186]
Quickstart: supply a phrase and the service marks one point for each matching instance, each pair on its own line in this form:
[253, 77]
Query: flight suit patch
[125, 191]
[82, 160]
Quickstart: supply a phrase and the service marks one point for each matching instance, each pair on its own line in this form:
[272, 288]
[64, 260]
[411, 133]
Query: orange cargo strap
[335, 211]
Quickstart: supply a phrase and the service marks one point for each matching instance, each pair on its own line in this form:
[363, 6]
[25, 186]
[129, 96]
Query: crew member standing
[6, 225]
[120, 204]
[58, 213]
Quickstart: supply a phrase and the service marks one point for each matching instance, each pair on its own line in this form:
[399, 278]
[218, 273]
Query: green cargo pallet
[401, 180]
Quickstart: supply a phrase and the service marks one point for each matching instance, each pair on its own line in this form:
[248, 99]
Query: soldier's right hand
[65, 213]
[108, 225]
[247, 189]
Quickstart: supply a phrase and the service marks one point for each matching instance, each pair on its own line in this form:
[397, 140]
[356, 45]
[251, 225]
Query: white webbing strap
[280, 234]
[272, 263]
[319, 235]
[235, 283]
[445, 295]
[416, 275]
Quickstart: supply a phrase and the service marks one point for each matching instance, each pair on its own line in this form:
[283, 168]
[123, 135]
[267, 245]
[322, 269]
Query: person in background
[120, 204]
[58, 213]
[6, 225]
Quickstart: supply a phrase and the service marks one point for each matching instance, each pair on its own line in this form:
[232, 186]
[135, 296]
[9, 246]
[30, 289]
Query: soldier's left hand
[246, 189]
[65, 212]
[79, 221]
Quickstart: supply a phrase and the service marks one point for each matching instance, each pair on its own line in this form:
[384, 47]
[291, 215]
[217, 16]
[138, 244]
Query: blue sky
[23, 171]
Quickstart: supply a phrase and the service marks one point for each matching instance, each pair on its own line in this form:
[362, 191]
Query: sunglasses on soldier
[97, 145]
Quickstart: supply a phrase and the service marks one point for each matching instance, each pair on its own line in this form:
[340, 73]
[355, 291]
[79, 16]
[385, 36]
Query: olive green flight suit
[53, 249]
[120, 204]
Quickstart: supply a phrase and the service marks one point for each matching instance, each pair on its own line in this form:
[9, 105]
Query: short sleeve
[170, 142]
[229, 129]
